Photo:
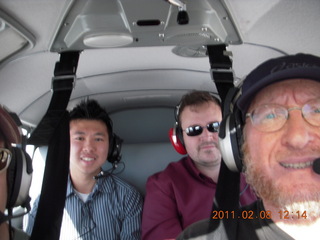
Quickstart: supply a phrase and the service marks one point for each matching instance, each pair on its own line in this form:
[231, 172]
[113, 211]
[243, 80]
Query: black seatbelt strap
[53, 130]
[62, 86]
[221, 69]
[227, 192]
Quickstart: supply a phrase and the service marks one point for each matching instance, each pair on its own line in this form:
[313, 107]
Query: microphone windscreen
[316, 166]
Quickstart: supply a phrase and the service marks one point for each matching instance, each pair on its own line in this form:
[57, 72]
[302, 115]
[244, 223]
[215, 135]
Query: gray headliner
[147, 75]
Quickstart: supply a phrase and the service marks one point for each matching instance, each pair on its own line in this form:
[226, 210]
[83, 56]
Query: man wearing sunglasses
[9, 134]
[183, 193]
[278, 110]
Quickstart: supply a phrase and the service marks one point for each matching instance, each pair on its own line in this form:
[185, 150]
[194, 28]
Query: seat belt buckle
[222, 75]
[63, 83]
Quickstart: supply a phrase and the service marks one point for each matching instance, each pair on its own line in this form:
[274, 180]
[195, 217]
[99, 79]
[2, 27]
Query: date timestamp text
[249, 214]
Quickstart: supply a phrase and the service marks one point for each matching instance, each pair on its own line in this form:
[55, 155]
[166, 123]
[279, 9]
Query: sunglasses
[5, 159]
[197, 129]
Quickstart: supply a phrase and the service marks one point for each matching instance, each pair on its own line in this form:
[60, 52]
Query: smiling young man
[96, 207]
[279, 107]
[89, 140]
[183, 193]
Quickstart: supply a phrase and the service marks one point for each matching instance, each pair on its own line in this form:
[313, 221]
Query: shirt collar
[98, 187]
[69, 187]
[196, 173]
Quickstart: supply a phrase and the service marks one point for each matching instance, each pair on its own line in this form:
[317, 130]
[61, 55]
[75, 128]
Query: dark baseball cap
[9, 127]
[277, 70]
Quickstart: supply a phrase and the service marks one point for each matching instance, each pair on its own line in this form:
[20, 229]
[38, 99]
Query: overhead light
[190, 51]
[93, 24]
[107, 40]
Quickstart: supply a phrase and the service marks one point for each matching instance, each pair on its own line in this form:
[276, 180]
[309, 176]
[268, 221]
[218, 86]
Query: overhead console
[123, 23]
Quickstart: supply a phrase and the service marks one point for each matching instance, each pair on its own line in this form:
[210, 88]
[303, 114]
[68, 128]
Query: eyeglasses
[5, 159]
[272, 117]
[197, 129]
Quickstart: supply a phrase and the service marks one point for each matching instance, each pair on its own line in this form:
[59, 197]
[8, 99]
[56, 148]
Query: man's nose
[207, 134]
[88, 145]
[298, 132]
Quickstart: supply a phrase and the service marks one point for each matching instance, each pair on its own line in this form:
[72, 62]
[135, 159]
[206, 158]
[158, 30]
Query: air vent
[145, 23]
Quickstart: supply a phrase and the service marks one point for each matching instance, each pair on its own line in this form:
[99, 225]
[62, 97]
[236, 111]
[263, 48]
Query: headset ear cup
[175, 139]
[11, 181]
[230, 132]
[238, 140]
[229, 143]
[19, 176]
[114, 155]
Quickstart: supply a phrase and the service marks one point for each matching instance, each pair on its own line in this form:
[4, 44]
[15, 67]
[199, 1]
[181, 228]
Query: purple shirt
[179, 196]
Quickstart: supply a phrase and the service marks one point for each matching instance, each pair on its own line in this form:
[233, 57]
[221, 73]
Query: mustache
[314, 154]
[209, 143]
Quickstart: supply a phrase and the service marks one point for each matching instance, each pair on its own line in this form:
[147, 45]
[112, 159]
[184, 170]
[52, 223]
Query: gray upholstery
[143, 160]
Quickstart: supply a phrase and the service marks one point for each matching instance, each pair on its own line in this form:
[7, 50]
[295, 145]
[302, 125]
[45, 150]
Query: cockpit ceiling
[150, 45]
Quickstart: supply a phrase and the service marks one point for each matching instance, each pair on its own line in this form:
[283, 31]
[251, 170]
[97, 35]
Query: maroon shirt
[179, 196]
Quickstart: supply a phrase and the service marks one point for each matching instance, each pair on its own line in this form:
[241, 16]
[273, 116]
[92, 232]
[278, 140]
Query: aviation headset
[19, 176]
[115, 143]
[19, 171]
[114, 155]
[230, 132]
[175, 133]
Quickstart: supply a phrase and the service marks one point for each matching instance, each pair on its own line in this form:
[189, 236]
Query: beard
[294, 198]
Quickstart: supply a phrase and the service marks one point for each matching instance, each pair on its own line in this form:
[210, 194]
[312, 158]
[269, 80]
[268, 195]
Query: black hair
[91, 110]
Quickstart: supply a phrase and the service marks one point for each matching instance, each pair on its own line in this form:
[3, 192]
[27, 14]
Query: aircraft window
[38, 163]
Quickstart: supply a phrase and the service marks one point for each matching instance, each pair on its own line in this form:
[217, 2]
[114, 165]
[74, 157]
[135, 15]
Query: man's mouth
[87, 159]
[208, 145]
[299, 165]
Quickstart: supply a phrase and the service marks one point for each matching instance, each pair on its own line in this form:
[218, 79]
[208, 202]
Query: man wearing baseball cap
[9, 134]
[277, 110]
